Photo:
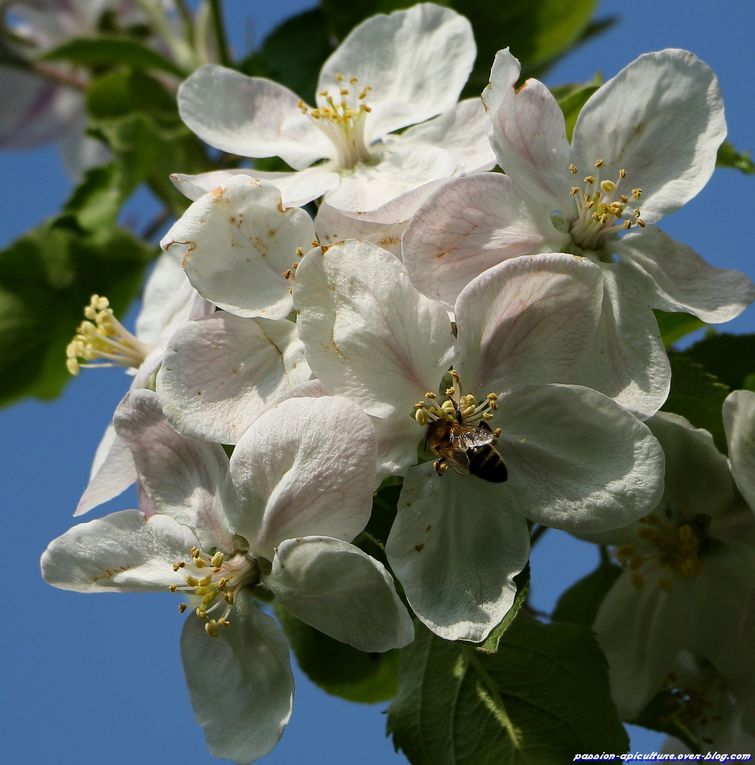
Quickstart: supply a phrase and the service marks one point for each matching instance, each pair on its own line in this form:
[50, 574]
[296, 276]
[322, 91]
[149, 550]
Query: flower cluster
[390, 308]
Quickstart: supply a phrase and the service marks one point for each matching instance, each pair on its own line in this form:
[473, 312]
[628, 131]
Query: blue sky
[93, 679]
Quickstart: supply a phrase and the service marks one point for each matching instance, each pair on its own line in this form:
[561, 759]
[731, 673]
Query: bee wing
[458, 461]
[474, 437]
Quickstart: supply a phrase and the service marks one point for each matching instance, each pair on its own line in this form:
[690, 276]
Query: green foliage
[112, 51]
[337, 668]
[48, 275]
[728, 156]
[571, 100]
[730, 357]
[522, 580]
[697, 395]
[293, 53]
[579, 604]
[138, 120]
[541, 699]
[675, 326]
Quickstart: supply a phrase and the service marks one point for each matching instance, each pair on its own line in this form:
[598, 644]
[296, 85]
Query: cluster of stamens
[341, 117]
[101, 338]
[456, 404]
[674, 548]
[215, 580]
[690, 705]
[601, 209]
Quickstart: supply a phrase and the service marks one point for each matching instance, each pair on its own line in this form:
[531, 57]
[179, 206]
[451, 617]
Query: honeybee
[466, 449]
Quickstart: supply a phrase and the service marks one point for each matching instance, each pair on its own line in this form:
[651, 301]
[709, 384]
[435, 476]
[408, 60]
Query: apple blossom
[575, 459]
[391, 71]
[644, 144]
[739, 422]
[688, 579]
[274, 521]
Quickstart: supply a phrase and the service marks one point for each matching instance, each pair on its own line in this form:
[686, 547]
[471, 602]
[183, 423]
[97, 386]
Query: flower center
[215, 580]
[602, 209]
[341, 116]
[692, 706]
[458, 433]
[674, 549]
[102, 339]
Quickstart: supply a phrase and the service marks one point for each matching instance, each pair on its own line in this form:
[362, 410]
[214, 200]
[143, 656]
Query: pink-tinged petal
[469, 225]
[332, 227]
[369, 334]
[341, 591]
[113, 471]
[455, 546]
[528, 133]
[297, 189]
[219, 374]
[640, 632]
[390, 190]
[698, 481]
[415, 61]
[577, 460]
[625, 357]
[240, 683]
[662, 120]
[34, 110]
[122, 552]
[250, 116]
[683, 281]
[304, 468]
[526, 320]
[237, 242]
[739, 422]
[182, 477]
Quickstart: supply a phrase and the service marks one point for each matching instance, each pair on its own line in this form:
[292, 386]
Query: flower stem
[220, 36]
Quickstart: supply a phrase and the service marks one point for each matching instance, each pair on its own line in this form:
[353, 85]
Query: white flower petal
[240, 683]
[168, 302]
[625, 358]
[220, 373]
[249, 116]
[528, 133]
[739, 421]
[113, 471]
[121, 552]
[640, 632]
[576, 460]
[297, 188]
[369, 334]
[341, 591]
[304, 468]
[698, 481]
[181, 477]
[683, 281]
[416, 62]
[662, 119]
[237, 242]
[469, 225]
[332, 226]
[526, 320]
[455, 546]
[390, 190]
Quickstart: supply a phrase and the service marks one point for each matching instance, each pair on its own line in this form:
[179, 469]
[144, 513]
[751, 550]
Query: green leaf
[293, 53]
[372, 540]
[675, 326]
[522, 580]
[112, 51]
[120, 93]
[541, 699]
[572, 101]
[46, 279]
[337, 668]
[697, 395]
[579, 604]
[728, 156]
[730, 357]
